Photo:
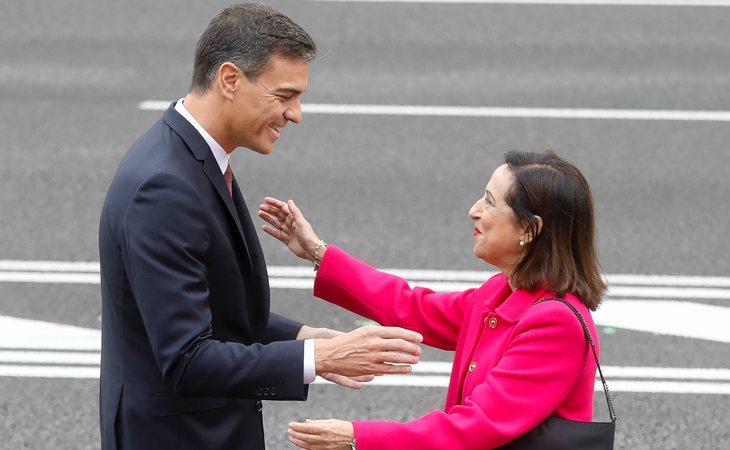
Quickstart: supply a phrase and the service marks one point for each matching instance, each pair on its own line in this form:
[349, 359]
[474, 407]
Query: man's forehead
[286, 74]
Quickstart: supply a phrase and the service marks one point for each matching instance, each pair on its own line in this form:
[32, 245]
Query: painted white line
[476, 276]
[667, 317]
[668, 292]
[48, 371]
[657, 387]
[34, 357]
[421, 280]
[668, 280]
[49, 266]
[555, 2]
[17, 333]
[666, 387]
[666, 373]
[498, 112]
[50, 277]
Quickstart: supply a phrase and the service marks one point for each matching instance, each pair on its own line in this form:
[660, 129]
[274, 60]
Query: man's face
[262, 108]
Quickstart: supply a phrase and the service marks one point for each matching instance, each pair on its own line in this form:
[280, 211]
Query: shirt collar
[221, 157]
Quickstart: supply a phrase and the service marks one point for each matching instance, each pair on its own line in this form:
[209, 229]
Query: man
[189, 348]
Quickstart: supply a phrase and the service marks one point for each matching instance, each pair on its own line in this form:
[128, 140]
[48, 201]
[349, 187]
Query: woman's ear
[529, 230]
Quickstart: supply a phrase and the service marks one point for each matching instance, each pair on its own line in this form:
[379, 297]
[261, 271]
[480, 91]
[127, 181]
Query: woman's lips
[476, 231]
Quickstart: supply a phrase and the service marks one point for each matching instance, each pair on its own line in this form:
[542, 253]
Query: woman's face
[496, 233]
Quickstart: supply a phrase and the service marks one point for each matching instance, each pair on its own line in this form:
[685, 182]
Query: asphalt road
[392, 190]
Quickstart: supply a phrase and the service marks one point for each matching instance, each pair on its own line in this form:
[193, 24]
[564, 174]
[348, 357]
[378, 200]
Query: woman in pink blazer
[516, 363]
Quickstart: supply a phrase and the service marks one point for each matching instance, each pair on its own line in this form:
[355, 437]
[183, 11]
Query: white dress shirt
[221, 158]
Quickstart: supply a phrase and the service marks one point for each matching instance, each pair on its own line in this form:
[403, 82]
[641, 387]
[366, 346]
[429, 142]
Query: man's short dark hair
[248, 35]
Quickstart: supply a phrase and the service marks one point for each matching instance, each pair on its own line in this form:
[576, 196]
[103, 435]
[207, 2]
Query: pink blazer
[514, 365]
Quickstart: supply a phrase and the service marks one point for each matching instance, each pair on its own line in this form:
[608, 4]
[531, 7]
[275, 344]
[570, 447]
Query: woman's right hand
[287, 224]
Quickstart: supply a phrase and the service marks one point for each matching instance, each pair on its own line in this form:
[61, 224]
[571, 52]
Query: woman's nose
[475, 211]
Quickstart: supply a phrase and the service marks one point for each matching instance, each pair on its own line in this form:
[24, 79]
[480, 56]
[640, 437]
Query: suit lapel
[201, 151]
[259, 310]
[236, 206]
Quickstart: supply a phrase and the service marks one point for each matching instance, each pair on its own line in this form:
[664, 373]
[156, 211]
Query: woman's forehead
[500, 181]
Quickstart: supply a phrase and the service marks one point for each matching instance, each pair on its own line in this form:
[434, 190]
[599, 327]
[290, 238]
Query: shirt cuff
[309, 369]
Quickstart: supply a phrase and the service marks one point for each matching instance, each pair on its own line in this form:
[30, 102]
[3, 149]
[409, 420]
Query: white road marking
[64, 351]
[667, 373]
[411, 274]
[555, 2]
[675, 318]
[624, 306]
[501, 112]
[17, 333]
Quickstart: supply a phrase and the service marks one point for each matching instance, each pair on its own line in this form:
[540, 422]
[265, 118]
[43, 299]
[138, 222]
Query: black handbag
[555, 433]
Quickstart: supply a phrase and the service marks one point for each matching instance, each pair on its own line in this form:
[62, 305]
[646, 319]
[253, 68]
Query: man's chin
[260, 149]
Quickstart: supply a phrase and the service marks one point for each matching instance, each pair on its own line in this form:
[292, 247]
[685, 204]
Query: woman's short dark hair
[248, 35]
[562, 253]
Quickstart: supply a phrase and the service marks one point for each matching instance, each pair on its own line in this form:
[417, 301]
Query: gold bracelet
[315, 253]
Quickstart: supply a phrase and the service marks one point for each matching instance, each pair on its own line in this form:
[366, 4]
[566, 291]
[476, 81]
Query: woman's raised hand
[287, 224]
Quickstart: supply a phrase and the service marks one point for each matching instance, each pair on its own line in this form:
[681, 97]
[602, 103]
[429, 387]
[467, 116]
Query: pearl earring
[522, 243]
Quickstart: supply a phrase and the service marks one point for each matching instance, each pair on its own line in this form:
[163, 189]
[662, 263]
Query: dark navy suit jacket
[189, 348]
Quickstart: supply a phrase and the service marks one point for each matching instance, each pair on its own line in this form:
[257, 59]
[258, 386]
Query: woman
[516, 363]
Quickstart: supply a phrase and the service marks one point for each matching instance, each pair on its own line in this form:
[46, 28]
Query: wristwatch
[353, 444]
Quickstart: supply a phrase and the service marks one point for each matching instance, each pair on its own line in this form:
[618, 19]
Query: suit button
[472, 366]
[259, 391]
[493, 322]
[274, 391]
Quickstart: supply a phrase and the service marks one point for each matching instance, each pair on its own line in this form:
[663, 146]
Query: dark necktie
[228, 175]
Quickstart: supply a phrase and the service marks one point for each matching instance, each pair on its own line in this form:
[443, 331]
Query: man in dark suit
[189, 347]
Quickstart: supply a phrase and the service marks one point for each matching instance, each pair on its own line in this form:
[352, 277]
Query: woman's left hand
[327, 434]
[286, 223]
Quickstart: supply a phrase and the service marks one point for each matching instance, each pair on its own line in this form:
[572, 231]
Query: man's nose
[294, 112]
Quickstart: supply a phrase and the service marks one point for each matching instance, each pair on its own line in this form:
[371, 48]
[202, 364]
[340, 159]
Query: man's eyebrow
[489, 195]
[287, 90]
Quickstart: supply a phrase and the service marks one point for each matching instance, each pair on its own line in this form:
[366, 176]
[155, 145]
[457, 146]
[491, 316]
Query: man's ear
[528, 230]
[227, 79]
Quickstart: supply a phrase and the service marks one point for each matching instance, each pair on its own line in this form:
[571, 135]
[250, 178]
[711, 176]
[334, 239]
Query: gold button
[493, 322]
[472, 366]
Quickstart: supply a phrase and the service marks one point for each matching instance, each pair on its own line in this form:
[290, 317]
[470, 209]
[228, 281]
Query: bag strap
[611, 411]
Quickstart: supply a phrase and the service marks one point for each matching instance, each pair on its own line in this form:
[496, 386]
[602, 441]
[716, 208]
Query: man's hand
[307, 332]
[368, 351]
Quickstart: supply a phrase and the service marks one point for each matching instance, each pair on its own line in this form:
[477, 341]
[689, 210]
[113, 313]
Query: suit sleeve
[389, 300]
[164, 244]
[280, 328]
[537, 370]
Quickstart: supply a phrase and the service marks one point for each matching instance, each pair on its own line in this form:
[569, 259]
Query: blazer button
[259, 391]
[472, 366]
[274, 391]
[493, 322]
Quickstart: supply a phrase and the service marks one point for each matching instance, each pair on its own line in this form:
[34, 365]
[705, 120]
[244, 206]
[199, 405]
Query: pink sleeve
[537, 371]
[389, 300]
